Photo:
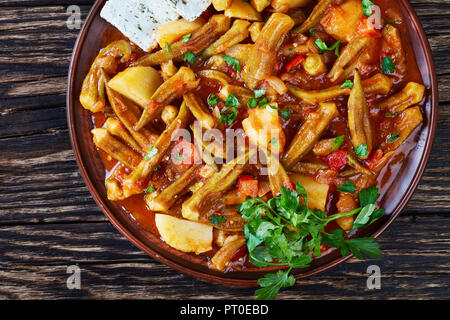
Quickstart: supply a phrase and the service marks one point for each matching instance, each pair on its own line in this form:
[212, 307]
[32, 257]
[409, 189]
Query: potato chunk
[174, 30]
[137, 84]
[317, 192]
[221, 5]
[183, 235]
[242, 10]
[285, 5]
[342, 21]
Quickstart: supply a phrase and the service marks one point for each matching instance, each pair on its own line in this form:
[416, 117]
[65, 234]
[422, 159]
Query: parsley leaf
[361, 150]
[187, 37]
[274, 142]
[232, 62]
[285, 113]
[259, 93]
[322, 46]
[150, 189]
[349, 187]
[252, 103]
[228, 117]
[262, 103]
[368, 196]
[367, 7]
[168, 49]
[347, 84]
[232, 101]
[151, 153]
[356, 246]
[393, 137]
[189, 57]
[388, 66]
[217, 219]
[272, 283]
[213, 100]
[312, 32]
[337, 143]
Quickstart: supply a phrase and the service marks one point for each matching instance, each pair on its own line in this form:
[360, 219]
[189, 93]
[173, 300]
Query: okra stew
[259, 134]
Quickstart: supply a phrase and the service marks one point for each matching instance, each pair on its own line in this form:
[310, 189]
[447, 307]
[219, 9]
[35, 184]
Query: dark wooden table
[48, 220]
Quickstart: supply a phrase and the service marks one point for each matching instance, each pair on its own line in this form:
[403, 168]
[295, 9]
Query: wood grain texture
[113, 269]
[48, 219]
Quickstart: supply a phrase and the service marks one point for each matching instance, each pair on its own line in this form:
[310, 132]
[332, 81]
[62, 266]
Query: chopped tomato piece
[337, 160]
[373, 159]
[240, 253]
[366, 28]
[248, 186]
[184, 155]
[294, 62]
[132, 59]
[290, 185]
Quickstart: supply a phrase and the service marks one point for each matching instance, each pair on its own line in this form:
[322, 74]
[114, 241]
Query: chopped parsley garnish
[388, 114]
[284, 231]
[178, 157]
[263, 102]
[259, 93]
[347, 84]
[388, 66]
[213, 100]
[157, 168]
[312, 32]
[232, 62]
[217, 219]
[252, 103]
[150, 189]
[186, 37]
[393, 137]
[228, 117]
[322, 46]
[361, 150]
[349, 187]
[337, 143]
[367, 7]
[232, 101]
[151, 153]
[274, 142]
[285, 113]
[189, 57]
[168, 48]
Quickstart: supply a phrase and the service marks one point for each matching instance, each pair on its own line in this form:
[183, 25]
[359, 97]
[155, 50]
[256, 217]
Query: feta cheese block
[190, 9]
[139, 19]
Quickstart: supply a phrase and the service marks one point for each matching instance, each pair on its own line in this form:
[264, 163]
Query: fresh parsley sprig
[285, 232]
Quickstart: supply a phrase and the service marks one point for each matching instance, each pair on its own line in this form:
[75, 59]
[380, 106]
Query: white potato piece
[260, 5]
[342, 22]
[317, 192]
[221, 5]
[184, 235]
[137, 84]
[285, 5]
[174, 30]
[242, 10]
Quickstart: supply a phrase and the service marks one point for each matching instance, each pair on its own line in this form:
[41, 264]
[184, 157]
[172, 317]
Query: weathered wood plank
[415, 265]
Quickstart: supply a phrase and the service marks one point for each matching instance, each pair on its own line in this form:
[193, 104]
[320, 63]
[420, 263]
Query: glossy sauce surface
[136, 206]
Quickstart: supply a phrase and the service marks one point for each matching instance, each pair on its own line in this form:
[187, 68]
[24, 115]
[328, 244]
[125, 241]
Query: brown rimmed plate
[96, 33]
